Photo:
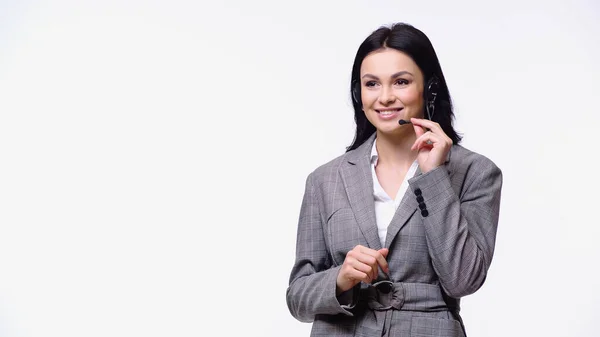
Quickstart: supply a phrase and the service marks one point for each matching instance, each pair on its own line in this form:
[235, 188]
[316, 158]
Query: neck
[395, 151]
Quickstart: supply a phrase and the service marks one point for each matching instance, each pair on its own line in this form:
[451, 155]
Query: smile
[387, 112]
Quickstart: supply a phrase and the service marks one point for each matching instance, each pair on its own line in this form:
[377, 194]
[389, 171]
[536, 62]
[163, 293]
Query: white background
[153, 157]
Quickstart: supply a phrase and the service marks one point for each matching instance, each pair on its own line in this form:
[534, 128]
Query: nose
[387, 96]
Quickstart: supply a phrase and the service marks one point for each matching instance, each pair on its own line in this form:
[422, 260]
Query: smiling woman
[396, 230]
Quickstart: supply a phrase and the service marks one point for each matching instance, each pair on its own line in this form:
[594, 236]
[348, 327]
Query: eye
[370, 84]
[401, 81]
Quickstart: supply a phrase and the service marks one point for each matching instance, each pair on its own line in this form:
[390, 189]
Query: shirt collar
[374, 154]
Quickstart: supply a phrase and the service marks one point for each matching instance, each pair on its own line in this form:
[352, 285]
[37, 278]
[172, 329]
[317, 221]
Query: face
[391, 89]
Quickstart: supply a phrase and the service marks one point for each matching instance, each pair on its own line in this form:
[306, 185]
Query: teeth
[388, 112]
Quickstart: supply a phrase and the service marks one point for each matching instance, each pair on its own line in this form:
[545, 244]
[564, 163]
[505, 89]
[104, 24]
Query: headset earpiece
[432, 88]
[356, 93]
[431, 93]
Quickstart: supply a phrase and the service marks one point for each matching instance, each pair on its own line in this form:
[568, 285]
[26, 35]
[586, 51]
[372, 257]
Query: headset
[356, 93]
[430, 94]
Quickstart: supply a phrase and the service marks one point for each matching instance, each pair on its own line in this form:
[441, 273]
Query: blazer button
[420, 199]
[422, 206]
[424, 213]
[418, 192]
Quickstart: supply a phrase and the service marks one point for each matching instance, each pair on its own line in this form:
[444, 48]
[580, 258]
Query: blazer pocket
[344, 213]
[435, 327]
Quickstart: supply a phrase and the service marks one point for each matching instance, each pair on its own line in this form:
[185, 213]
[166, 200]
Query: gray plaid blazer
[441, 242]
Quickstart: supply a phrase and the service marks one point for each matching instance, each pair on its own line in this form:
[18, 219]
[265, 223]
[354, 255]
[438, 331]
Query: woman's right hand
[361, 264]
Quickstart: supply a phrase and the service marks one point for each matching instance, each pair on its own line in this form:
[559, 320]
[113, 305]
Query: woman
[395, 231]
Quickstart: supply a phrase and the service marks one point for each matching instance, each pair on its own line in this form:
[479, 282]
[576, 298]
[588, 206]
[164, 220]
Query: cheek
[410, 97]
[368, 97]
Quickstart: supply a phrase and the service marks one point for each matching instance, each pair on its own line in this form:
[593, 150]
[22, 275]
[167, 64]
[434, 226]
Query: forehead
[388, 61]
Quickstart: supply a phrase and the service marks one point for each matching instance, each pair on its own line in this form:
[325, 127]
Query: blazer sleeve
[312, 283]
[460, 231]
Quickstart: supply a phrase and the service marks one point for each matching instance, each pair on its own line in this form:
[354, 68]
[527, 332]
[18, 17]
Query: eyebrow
[400, 73]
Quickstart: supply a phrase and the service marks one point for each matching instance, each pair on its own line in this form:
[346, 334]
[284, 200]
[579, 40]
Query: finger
[425, 123]
[358, 276]
[427, 140]
[357, 252]
[358, 248]
[372, 263]
[360, 261]
[363, 268]
[379, 259]
[384, 252]
[369, 261]
[419, 131]
[435, 128]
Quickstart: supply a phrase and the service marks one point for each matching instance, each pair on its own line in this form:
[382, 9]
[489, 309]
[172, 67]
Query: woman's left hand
[433, 145]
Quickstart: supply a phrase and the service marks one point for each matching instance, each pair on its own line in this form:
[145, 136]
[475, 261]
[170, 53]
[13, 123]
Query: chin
[390, 130]
[395, 129]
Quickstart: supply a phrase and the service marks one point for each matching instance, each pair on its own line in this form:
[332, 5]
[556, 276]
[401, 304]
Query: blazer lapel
[405, 210]
[358, 182]
[408, 206]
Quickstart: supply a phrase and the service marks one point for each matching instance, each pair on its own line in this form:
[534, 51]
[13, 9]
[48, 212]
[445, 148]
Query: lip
[391, 116]
[390, 109]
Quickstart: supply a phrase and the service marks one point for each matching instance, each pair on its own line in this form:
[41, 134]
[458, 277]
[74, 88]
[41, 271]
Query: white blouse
[385, 207]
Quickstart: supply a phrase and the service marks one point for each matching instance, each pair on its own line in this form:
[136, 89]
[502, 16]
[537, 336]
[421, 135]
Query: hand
[361, 264]
[433, 145]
